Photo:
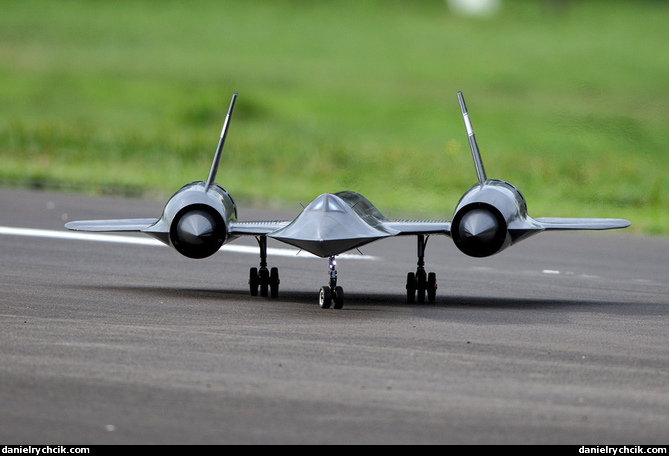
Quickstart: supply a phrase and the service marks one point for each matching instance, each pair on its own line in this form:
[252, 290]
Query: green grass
[572, 106]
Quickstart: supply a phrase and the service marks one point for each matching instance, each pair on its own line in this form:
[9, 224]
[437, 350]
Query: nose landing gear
[331, 294]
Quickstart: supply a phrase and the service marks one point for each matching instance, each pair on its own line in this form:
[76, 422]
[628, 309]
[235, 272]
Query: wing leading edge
[112, 225]
[559, 223]
[417, 227]
[256, 228]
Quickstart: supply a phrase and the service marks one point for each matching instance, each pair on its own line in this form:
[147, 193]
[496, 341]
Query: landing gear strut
[420, 283]
[267, 280]
[331, 294]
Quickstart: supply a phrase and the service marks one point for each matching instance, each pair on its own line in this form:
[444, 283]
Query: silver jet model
[202, 216]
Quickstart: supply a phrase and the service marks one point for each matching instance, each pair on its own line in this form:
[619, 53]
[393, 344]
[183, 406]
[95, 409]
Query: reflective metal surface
[328, 226]
[202, 216]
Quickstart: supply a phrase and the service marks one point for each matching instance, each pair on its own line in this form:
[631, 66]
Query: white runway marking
[31, 232]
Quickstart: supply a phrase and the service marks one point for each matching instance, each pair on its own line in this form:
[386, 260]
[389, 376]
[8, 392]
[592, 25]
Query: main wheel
[411, 287]
[325, 298]
[431, 287]
[338, 297]
[274, 282]
[264, 281]
[253, 281]
[421, 285]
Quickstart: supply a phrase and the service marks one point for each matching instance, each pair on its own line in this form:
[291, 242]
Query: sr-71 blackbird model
[202, 216]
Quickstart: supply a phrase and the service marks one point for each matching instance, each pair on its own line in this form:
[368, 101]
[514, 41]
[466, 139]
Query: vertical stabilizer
[221, 142]
[476, 155]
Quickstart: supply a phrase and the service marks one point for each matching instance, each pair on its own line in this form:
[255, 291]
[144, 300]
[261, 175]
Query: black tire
[338, 297]
[264, 281]
[421, 286]
[411, 287]
[325, 297]
[253, 281]
[274, 282]
[431, 287]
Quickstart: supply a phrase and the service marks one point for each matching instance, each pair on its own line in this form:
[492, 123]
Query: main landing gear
[420, 283]
[265, 280]
[331, 294]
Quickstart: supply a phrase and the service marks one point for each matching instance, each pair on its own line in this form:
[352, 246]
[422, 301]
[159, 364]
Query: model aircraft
[202, 216]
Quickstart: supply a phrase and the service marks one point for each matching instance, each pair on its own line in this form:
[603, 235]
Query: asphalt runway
[561, 339]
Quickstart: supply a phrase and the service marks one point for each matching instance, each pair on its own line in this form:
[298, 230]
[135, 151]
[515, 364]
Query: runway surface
[561, 339]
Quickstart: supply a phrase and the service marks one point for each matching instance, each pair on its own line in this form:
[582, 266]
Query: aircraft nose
[196, 228]
[479, 225]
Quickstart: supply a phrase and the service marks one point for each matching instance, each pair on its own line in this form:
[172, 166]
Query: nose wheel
[263, 279]
[331, 295]
[421, 285]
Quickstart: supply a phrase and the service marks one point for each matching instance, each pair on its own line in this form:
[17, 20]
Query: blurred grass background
[569, 101]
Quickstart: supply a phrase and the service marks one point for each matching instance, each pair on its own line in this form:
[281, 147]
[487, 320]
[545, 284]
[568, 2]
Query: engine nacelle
[198, 231]
[479, 230]
[195, 220]
[490, 217]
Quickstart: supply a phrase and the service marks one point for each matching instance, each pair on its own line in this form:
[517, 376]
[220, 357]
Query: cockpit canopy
[327, 203]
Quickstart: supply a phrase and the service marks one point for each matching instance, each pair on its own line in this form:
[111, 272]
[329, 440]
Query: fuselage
[334, 223]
